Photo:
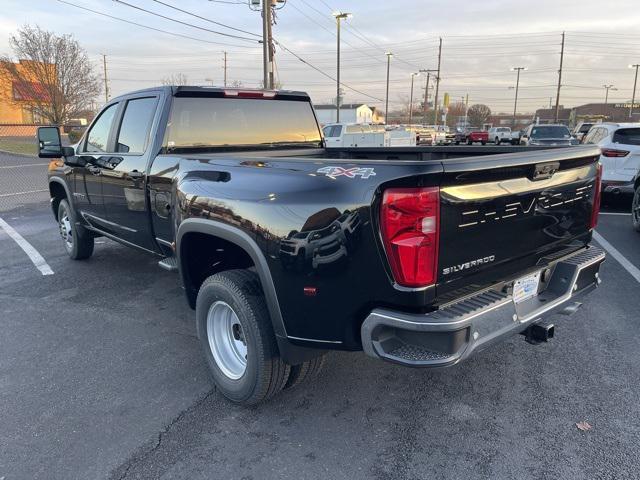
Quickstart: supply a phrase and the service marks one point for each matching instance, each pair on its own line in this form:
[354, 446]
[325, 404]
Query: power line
[323, 73]
[206, 19]
[185, 23]
[151, 28]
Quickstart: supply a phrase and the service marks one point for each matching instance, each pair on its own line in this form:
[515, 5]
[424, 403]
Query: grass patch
[17, 146]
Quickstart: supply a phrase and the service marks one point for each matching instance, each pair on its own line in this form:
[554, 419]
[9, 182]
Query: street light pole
[635, 83]
[515, 102]
[339, 16]
[386, 102]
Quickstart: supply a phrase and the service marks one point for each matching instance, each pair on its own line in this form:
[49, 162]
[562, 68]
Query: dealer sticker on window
[526, 287]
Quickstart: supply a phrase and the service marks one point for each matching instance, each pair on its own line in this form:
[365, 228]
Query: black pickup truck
[417, 255]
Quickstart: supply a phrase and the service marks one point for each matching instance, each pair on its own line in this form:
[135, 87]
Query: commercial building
[20, 93]
[609, 112]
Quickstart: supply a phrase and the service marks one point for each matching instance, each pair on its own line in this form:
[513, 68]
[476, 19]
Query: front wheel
[78, 242]
[497, 141]
[236, 334]
[635, 209]
[483, 143]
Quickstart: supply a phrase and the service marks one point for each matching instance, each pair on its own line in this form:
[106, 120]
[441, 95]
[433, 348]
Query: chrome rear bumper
[451, 334]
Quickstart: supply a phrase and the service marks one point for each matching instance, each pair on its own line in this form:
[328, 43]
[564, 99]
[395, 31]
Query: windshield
[199, 123]
[552, 131]
[584, 128]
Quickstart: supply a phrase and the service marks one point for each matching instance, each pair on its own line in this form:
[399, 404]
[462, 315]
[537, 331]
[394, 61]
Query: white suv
[498, 135]
[620, 144]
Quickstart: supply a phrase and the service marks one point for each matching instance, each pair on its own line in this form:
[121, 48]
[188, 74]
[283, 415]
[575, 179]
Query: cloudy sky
[482, 41]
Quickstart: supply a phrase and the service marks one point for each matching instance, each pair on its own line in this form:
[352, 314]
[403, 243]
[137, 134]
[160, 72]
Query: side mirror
[49, 143]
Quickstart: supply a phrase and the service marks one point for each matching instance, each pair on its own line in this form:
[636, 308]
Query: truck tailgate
[497, 221]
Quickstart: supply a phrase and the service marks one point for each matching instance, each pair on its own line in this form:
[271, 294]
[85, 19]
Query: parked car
[620, 158]
[498, 135]
[286, 250]
[581, 130]
[354, 135]
[424, 135]
[472, 135]
[556, 135]
[450, 135]
[439, 132]
[515, 137]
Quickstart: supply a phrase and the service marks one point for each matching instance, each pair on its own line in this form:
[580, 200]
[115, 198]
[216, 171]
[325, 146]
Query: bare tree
[456, 113]
[479, 114]
[175, 79]
[51, 74]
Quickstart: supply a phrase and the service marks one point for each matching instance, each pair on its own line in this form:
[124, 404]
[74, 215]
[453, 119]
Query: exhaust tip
[571, 309]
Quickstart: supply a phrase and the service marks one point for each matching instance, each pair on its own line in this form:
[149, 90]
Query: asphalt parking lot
[101, 376]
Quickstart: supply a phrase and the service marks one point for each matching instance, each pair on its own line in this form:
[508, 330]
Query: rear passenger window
[136, 123]
[627, 136]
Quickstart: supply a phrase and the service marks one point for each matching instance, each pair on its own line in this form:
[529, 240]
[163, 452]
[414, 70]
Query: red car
[472, 135]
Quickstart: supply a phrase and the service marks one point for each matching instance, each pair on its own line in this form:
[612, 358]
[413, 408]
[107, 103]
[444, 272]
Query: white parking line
[31, 252]
[25, 165]
[22, 193]
[626, 264]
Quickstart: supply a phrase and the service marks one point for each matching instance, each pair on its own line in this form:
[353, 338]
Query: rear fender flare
[243, 240]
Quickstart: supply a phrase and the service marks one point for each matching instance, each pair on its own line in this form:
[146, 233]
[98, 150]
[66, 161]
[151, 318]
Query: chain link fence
[23, 176]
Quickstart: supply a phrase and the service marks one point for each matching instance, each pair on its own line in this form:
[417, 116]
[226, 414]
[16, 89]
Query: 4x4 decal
[334, 172]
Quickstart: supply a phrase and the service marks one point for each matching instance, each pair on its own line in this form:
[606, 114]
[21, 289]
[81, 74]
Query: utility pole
[559, 80]
[635, 84]
[466, 111]
[411, 98]
[339, 16]
[386, 106]
[515, 103]
[272, 83]
[606, 98]
[426, 94]
[266, 42]
[106, 83]
[426, 98]
[225, 68]
[435, 100]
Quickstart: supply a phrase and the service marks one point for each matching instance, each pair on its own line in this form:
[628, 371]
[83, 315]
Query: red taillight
[597, 192]
[612, 152]
[410, 220]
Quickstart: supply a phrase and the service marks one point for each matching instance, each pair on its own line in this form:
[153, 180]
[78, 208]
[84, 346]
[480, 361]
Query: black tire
[457, 142]
[483, 143]
[265, 373]
[635, 209]
[469, 142]
[77, 240]
[497, 142]
[305, 371]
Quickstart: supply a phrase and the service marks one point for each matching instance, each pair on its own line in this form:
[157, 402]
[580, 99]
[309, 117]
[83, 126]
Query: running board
[169, 264]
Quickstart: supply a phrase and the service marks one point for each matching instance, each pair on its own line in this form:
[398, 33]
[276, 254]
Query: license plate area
[526, 287]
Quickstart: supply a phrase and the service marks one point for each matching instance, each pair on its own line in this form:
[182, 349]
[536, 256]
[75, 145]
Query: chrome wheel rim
[66, 231]
[226, 340]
